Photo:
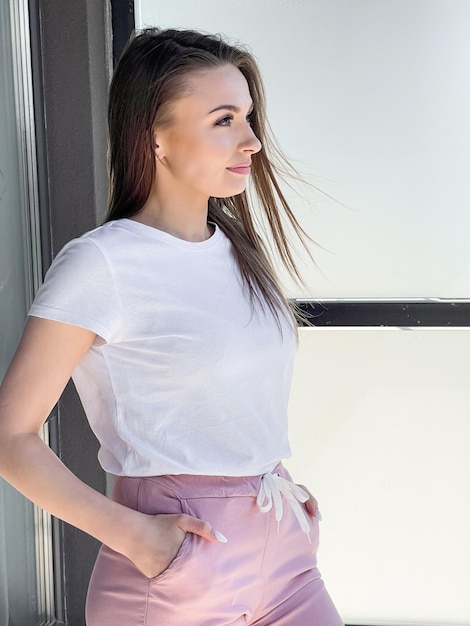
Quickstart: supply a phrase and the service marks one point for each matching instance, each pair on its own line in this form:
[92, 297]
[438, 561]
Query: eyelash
[225, 121]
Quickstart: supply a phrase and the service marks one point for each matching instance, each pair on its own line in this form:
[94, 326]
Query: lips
[241, 168]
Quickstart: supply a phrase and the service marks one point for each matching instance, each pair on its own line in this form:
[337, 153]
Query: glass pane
[18, 586]
[370, 99]
[380, 431]
[4, 609]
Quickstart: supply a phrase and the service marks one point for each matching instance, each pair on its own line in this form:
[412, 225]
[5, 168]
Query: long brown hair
[150, 75]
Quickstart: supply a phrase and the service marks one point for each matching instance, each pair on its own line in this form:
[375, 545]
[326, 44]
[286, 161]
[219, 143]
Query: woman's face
[207, 148]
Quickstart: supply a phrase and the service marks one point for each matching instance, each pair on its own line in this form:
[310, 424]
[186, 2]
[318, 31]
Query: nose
[251, 144]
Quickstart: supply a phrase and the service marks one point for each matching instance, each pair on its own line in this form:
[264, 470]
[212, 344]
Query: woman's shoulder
[108, 233]
[100, 242]
[88, 254]
[80, 288]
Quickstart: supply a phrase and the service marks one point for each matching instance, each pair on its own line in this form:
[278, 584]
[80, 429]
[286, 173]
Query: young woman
[180, 343]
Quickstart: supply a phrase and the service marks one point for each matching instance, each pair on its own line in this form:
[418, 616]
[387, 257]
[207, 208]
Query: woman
[181, 344]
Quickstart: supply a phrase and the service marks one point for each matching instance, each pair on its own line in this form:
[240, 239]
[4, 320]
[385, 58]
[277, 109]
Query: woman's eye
[225, 121]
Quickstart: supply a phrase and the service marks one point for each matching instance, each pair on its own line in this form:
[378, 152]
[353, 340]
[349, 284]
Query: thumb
[200, 527]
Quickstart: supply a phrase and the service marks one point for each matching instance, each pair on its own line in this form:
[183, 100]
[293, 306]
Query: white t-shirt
[183, 377]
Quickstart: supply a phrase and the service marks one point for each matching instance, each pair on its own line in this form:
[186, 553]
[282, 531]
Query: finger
[311, 504]
[200, 527]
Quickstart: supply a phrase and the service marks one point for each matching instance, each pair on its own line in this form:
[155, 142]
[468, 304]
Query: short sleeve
[80, 289]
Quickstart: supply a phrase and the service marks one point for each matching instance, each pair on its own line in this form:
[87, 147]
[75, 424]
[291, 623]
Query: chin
[228, 192]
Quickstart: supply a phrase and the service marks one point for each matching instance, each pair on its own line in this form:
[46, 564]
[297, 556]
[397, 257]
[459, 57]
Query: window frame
[406, 313]
[71, 65]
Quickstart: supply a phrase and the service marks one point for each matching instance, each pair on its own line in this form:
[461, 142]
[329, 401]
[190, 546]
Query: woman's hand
[156, 540]
[311, 504]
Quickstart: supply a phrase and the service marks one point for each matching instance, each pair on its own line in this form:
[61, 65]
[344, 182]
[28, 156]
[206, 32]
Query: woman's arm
[45, 359]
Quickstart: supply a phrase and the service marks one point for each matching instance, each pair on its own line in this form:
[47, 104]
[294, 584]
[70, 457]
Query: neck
[182, 217]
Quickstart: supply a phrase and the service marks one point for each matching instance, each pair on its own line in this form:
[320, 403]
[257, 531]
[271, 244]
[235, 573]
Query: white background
[371, 101]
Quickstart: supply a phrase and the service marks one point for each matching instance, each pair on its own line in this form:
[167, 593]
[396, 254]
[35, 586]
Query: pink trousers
[265, 575]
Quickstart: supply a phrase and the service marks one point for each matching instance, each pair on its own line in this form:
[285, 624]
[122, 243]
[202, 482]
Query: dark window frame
[123, 24]
[72, 63]
[417, 313]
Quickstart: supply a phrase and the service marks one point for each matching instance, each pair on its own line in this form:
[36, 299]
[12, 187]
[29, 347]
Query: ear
[157, 145]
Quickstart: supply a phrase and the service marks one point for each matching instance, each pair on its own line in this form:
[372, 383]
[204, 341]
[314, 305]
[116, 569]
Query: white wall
[370, 98]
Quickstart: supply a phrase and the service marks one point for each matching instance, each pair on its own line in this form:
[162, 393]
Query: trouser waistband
[187, 486]
[272, 490]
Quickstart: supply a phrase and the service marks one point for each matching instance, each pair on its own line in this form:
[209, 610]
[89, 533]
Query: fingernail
[220, 537]
[318, 515]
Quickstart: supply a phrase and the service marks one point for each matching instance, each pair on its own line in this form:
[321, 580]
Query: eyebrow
[229, 107]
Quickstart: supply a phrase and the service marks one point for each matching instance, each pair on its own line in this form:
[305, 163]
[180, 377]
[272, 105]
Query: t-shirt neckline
[161, 235]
